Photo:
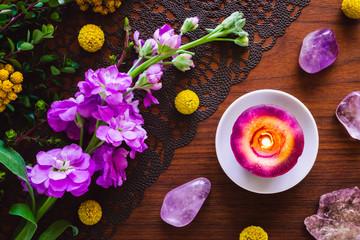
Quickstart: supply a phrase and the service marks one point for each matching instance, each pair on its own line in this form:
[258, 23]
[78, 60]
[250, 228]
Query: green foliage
[56, 228]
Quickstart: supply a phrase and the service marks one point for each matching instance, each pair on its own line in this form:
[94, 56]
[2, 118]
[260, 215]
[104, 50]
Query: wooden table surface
[229, 208]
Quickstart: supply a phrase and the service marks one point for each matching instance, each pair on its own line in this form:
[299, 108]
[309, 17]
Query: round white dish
[247, 180]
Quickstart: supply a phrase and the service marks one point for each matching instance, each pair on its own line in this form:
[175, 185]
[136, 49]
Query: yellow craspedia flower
[4, 75]
[351, 8]
[11, 96]
[16, 77]
[9, 68]
[253, 233]
[90, 212]
[6, 101]
[2, 107]
[91, 38]
[3, 94]
[7, 85]
[17, 88]
[2, 66]
[186, 102]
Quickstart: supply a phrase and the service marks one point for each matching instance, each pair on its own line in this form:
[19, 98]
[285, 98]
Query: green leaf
[24, 211]
[2, 54]
[40, 4]
[56, 229]
[44, 29]
[54, 70]
[12, 46]
[26, 232]
[75, 65]
[53, 3]
[16, 164]
[48, 58]
[13, 161]
[10, 107]
[56, 82]
[37, 35]
[49, 29]
[26, 67]
[4, 6]
[68, 70]
[55, 16]
[24, 100]
[5, 11]
[44, 1]
[28, 36]
[15, 63]
[25, 46]
[29, 15]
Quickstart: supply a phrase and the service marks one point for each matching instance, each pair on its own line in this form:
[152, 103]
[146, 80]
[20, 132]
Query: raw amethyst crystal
[181, 204]
[338, 216]
[319, 50]
[348, 113]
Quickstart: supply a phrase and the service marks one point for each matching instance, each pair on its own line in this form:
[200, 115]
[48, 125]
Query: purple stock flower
[108, 81]
[166, 38]
[62, 170]
[148, 81]
[149, 47]
[61, 117]
[154, 73]
[183, 62]
[189, 24]
[111, 163]
[124, 128]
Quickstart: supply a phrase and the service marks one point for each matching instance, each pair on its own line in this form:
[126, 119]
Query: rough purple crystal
[319, 50]
[348, 113]
[181, 204]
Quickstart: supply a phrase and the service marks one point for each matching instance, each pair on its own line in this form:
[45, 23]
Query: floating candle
[267, 140]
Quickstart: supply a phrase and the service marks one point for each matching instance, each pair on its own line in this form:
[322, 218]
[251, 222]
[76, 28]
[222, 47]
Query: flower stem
[166, 63]
[135, 65]
[81, 137]
[145, 65]
[48, 203]
[94, 140]
[95, 147]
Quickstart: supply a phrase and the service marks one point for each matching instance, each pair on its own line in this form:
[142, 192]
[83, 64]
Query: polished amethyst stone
[348, 113]
[181, 204]
[319, 50]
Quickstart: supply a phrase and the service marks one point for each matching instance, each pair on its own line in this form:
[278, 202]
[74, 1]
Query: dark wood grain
[230, 208]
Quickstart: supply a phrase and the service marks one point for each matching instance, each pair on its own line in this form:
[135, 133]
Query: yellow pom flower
[3, 94]
[17, 88]
[351, 8]
[4, 75]
[16, 77]
[187, 102]
[6, 101]
[90, 212]
[7, 85]
[2, 66]
[2, 107]
[11, 96]
[91, 38]
[253, 233]
[9, 68]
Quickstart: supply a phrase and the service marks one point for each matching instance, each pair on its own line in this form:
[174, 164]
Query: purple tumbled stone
[181, 204]
[348, 113]
[319, 50]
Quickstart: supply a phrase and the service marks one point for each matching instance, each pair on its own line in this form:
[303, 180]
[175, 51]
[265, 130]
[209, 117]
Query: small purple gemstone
[319, 50]
[348, 113]
[181, 204]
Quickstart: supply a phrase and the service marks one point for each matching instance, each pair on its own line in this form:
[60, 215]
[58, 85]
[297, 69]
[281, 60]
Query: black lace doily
[219, 65]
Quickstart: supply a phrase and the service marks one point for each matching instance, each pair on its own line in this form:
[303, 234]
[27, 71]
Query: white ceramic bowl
[247, 180]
